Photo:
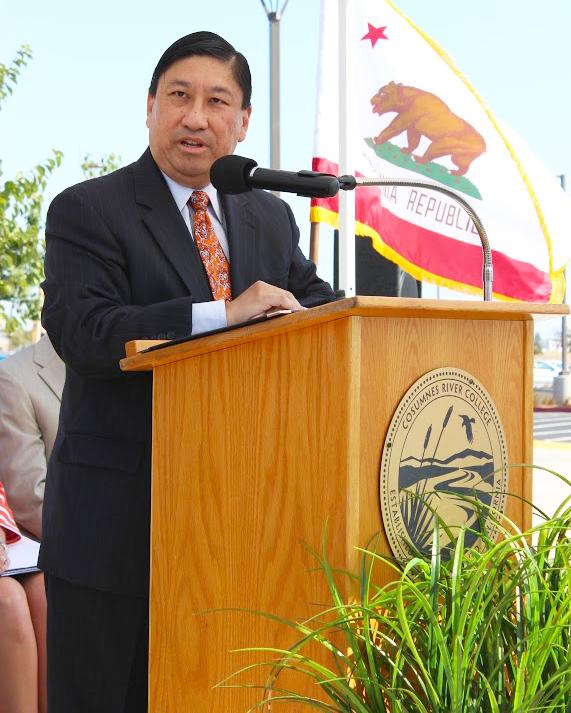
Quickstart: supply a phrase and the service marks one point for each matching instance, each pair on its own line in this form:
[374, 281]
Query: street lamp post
[274, 14]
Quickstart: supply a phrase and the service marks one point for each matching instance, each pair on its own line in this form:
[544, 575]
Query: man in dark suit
[131, 255]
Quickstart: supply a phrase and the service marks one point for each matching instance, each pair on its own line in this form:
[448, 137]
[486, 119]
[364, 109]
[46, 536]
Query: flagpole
[346, 162]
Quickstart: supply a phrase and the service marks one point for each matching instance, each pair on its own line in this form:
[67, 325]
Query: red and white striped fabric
[7, 519]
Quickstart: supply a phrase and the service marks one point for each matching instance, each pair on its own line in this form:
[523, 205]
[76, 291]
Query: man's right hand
[258, 299]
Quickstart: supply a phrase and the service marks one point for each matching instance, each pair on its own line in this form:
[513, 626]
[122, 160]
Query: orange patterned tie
[211, 253]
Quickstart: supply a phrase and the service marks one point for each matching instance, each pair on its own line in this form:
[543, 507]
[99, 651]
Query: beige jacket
[31, 383]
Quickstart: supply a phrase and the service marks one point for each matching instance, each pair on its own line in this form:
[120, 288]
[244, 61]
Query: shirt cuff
[208, 315]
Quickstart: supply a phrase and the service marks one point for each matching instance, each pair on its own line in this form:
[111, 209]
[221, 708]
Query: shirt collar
[181, 195]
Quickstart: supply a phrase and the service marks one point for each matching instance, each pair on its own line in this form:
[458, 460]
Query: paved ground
[555, 427]
[548, 490]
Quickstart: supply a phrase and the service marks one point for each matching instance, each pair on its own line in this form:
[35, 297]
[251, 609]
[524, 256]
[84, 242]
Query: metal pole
[562, 382]
[350, 182]
[274, 19]
[564, 333]
[346, 163]
[274, 14]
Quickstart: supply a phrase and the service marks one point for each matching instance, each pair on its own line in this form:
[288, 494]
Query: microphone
[236, 174]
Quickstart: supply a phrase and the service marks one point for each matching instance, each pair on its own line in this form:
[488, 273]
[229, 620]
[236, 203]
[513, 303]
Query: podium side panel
[252, 453]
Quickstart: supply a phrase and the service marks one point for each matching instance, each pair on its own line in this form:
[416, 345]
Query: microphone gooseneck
[237, 174]
[487, 267]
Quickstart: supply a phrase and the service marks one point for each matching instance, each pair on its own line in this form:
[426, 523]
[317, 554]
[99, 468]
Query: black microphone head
[230, 174]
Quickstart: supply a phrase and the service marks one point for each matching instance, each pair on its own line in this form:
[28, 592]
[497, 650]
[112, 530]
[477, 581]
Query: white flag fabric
[418, 118]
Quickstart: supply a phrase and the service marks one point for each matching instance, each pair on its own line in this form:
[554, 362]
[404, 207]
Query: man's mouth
[192, 143]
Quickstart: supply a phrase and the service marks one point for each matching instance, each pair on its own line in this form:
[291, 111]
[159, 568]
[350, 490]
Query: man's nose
[195, 116]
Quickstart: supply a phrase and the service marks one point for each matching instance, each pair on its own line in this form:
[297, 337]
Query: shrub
[472, 632]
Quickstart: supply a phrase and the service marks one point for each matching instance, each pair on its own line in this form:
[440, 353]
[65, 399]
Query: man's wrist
[207, 316]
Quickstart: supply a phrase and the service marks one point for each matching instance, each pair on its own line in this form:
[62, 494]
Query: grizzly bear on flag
[421, 113]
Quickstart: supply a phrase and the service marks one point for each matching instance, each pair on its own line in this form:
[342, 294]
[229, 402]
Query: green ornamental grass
[464, 631]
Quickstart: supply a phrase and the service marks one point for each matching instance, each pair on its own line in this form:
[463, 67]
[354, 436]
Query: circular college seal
[445, 453]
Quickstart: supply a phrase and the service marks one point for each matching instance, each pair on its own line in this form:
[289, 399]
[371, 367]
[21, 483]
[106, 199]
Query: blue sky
[85, 89]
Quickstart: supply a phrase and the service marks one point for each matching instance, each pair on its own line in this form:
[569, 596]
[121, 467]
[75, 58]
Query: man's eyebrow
[221, 90]
[187, 85]
[182, 82]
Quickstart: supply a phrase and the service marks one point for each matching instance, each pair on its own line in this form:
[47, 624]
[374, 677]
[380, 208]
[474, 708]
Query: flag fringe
[448, 60]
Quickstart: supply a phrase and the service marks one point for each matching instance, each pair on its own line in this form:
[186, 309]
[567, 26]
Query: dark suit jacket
[121, 265]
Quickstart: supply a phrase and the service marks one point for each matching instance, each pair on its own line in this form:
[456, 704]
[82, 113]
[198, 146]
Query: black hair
[211, 45]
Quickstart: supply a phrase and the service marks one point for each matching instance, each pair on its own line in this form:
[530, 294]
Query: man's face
[195, 117]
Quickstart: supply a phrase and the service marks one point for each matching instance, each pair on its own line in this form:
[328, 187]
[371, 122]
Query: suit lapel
[243, 236]
[51, 368]
[168, 228]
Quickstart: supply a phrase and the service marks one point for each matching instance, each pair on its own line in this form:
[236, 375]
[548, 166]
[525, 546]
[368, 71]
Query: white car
[543, 374]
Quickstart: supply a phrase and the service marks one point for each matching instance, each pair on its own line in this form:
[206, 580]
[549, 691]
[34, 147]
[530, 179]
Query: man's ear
[150, 105]
[246, 113]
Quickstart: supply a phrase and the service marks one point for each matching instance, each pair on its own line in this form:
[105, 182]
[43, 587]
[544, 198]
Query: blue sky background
[85, 90]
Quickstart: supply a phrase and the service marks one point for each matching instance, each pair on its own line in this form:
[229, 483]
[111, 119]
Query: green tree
[21, 241]
[106, 164]
[537, 344]
[9, 74]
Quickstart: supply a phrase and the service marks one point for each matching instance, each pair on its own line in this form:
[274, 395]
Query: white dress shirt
[205, 315]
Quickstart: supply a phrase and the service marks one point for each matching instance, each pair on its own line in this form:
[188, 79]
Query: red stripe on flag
[439, 254]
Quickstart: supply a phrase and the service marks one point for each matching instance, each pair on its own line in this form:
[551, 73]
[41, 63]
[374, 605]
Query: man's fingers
[277, 298]
[258, 299]
[289, 302]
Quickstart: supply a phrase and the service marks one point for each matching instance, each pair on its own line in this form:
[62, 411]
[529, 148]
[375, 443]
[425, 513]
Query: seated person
[22, 629]
[31, 383]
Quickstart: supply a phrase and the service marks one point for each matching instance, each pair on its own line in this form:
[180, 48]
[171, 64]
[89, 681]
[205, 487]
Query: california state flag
[418, 118]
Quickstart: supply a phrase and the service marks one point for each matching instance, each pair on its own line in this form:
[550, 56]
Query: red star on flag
[375, 34]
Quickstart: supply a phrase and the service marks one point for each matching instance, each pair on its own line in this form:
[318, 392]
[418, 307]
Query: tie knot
[199, 200]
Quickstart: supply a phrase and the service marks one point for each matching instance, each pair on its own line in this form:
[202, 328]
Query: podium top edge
[140, 359]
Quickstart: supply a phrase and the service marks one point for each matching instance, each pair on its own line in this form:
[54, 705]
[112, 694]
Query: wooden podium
[263, 434]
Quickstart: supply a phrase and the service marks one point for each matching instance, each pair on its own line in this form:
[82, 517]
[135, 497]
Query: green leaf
[482, 632]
